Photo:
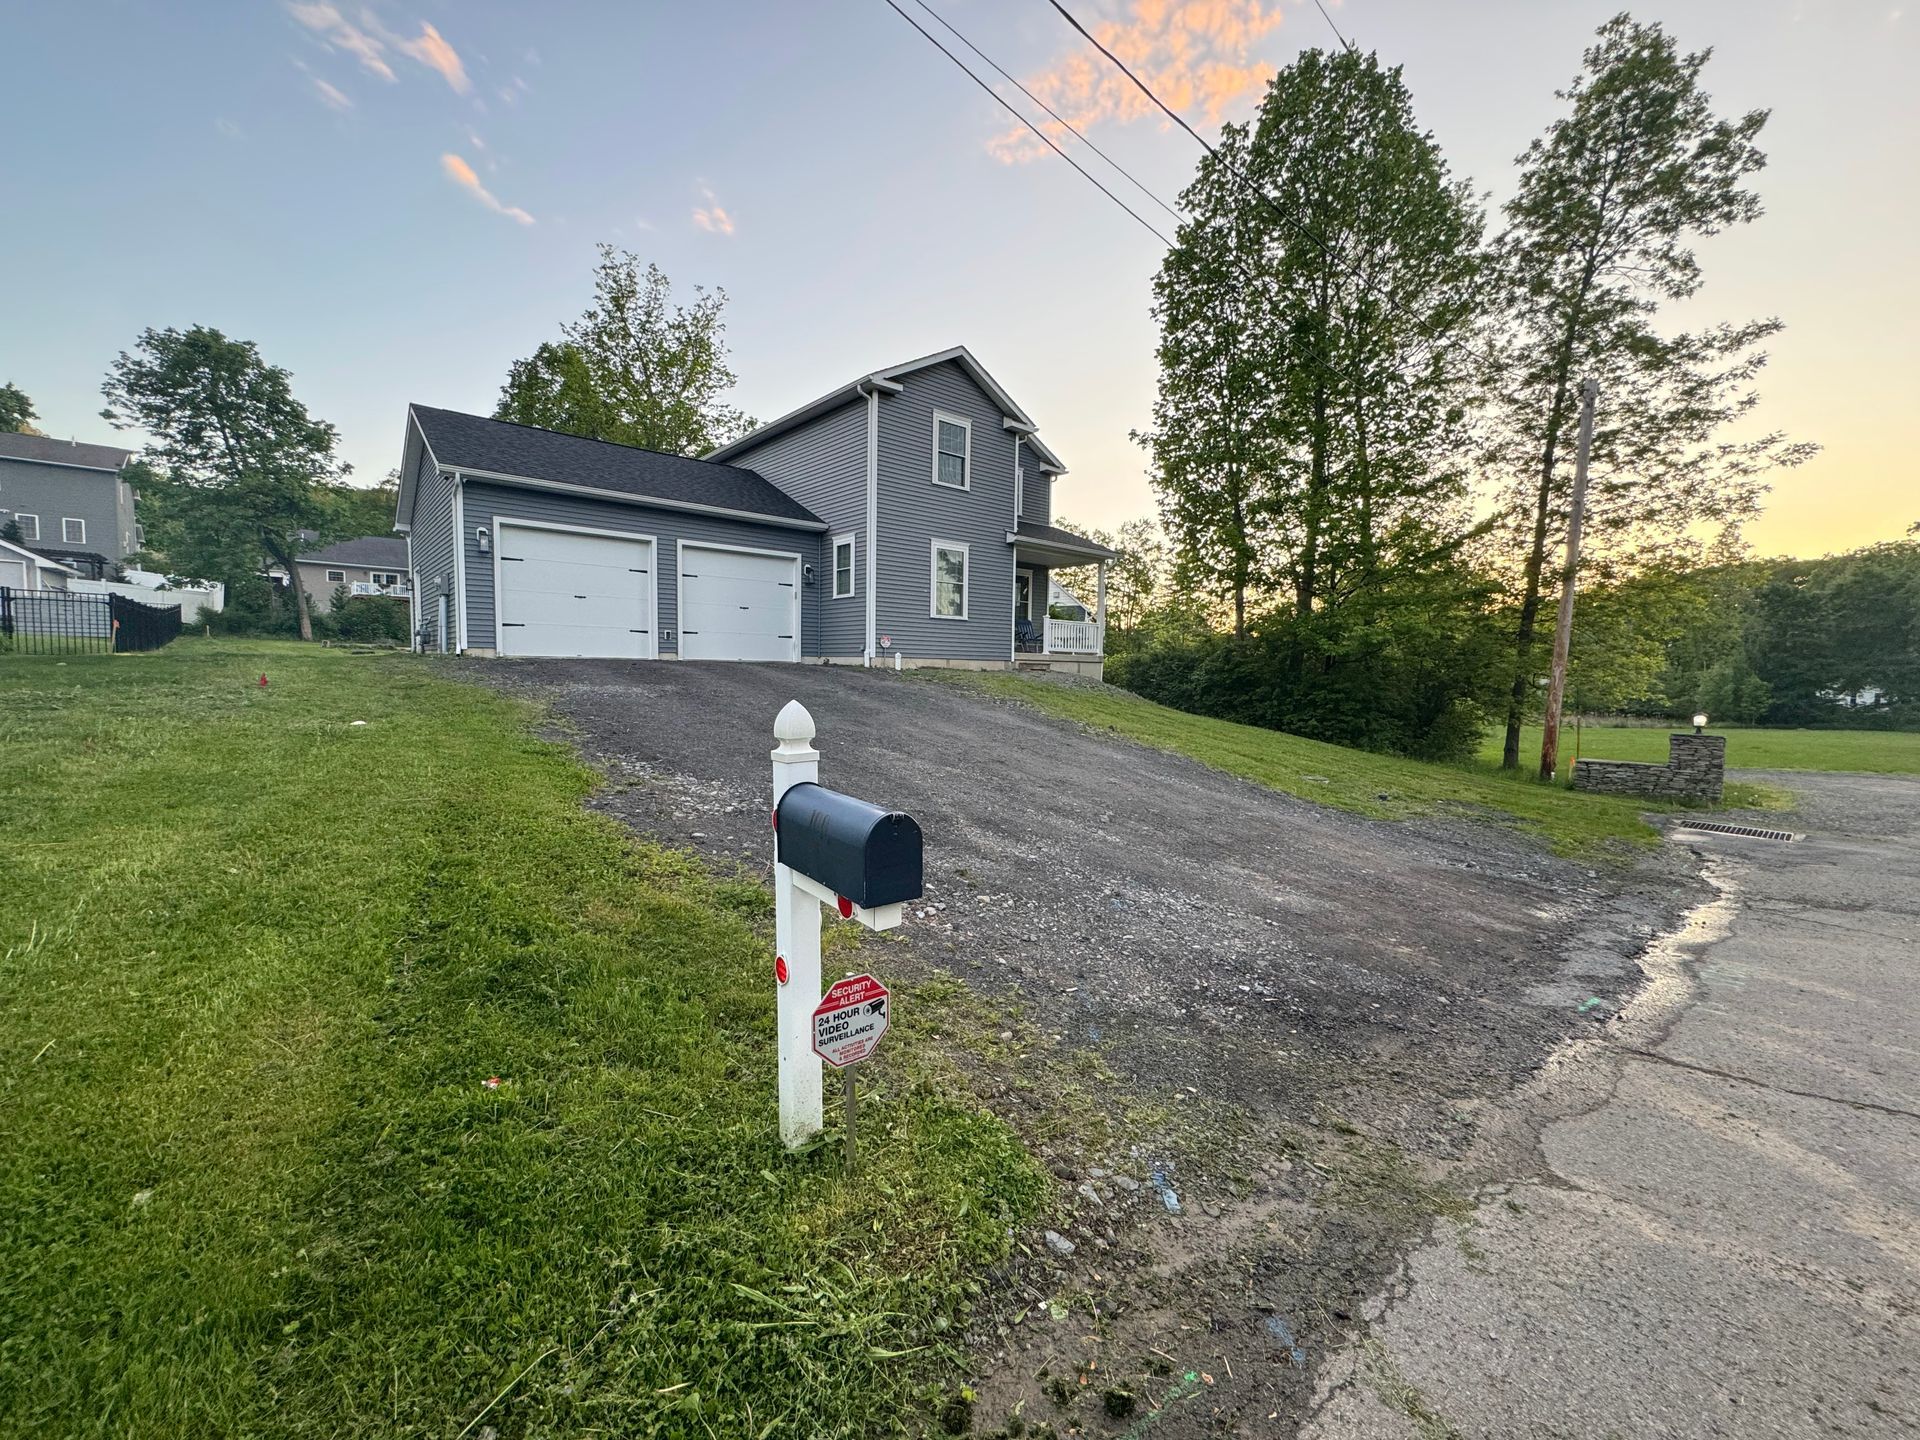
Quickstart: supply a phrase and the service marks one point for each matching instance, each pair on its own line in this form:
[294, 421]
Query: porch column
[1100, 604]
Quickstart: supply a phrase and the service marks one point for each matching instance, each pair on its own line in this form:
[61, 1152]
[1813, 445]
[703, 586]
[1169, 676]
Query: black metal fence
[54, 622]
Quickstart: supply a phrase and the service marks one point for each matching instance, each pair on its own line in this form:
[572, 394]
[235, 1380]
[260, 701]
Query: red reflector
[846, 907]
[780, 968]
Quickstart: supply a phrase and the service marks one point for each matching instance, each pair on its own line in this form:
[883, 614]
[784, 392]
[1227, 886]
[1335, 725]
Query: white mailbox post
[797, 899]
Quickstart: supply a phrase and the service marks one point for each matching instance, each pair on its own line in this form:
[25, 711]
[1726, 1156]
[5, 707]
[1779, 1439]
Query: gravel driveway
[1268, 969]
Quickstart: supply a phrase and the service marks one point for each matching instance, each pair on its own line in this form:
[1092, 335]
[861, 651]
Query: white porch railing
[363, 587]
[1074, 637]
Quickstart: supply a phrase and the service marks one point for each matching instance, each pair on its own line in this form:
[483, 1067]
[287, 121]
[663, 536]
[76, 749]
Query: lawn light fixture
[483, 538]
[1700, 722]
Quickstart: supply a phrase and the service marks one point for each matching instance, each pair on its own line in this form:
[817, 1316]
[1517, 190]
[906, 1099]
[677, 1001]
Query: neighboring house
[370, 565]
[70, 500]
[901, 519]
[22, 569]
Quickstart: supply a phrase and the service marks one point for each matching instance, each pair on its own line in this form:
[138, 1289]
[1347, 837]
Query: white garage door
[13, 574]
[563, 592]
[738, 604]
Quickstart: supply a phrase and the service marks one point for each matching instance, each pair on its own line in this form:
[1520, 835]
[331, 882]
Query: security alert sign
[849, 1020]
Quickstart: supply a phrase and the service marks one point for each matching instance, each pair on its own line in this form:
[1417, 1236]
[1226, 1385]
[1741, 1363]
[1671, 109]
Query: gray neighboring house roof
[47, 450]
[369, 552]
[499, 449]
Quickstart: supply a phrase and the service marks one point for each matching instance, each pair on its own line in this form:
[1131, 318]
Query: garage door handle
[639, 632]
[579, 597]
[689, 632]
[635, 570]
[746, 607]
[513, 624]
[513, 557]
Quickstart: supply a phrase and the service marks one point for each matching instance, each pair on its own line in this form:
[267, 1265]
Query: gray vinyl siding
[914, 511]
[1036, 499]
[491, 505]
[433, 552]
[823, 465]
[56, 493]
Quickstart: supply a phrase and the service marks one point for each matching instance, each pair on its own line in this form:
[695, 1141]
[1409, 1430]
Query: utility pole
[1563, 631]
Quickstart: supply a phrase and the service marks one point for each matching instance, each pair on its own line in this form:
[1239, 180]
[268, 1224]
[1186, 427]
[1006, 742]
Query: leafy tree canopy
[635, 368]
[16, 410]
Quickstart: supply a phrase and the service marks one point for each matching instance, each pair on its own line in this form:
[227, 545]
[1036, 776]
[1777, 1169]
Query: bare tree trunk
[284, 554]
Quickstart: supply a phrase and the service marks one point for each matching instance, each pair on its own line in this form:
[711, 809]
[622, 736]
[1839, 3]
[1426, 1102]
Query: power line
[1068, 124]
[1001, 101]
[1250, 183]
[1345, 44]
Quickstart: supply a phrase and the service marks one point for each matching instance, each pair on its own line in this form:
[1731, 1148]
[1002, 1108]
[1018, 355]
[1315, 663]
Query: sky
[397, 198]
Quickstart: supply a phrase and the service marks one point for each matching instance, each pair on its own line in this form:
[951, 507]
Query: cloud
[711, 217]
[336, 32]
[332, 95]
[432, 51]
[461, 173]
[1197, 55]
[227, 128]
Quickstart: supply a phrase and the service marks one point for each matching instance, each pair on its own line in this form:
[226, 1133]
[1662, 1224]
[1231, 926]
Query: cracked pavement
[1714, 1225]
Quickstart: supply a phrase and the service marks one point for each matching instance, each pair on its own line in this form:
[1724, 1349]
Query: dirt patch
[1252, 1038]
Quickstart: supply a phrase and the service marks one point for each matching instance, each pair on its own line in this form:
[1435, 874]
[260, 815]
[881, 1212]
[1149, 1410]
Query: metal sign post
[865, 863]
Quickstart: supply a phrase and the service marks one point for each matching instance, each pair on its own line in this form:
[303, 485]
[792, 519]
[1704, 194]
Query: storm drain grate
[1751, 832]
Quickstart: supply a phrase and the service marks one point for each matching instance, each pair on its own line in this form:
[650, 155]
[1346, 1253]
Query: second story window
[29, 526]
[73, 531]
[952, 447]
[336, 577]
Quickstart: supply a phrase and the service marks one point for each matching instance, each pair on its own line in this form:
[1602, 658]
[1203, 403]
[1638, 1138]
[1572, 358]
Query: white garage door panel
[13, 574]
[566, 593]
[735, 605]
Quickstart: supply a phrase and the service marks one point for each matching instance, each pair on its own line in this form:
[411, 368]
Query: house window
[1023, 596]
[952, 451]
[29, 525]
[336, 577]
[842, 566]
[384, 578]
[72, 531]
[949, 580]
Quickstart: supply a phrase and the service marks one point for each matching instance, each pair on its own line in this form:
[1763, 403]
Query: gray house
[369, 565]
[70, 500]
[902, 519]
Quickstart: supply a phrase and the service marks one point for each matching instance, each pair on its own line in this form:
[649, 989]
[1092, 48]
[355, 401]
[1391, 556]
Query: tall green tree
[1213, 487]
[16, 410]
[1599, 237]
[226, 427]
[636, 367]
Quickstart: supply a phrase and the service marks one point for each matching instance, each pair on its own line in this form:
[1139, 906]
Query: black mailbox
[869, 855]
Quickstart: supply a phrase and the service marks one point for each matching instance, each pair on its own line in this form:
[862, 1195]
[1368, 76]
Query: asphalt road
[1713, 1225]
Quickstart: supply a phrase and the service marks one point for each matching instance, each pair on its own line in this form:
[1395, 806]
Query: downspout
[872, 392]
[459, 569]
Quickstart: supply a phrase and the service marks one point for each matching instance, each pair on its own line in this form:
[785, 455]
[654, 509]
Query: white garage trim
[680, 586]
[653, 571]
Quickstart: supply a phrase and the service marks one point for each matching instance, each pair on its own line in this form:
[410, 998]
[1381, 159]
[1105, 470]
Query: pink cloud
[711, 217]
[462, 174]
[1197, 55]
[331, 95]
[432, 51]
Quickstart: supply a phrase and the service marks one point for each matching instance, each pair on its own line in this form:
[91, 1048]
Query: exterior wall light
[482, 538]
[1700, 722]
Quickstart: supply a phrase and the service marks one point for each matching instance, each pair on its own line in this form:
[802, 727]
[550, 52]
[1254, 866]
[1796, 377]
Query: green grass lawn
[1881, 751]
[257, 964]
[1380, 786]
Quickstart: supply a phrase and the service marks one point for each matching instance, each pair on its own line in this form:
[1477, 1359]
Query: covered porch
[1040, 640]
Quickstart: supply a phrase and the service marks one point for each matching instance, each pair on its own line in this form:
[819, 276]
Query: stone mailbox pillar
[1697, 765]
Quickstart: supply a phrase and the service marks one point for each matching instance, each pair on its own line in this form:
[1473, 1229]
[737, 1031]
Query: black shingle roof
[467, 442]
[46, 448]
[1065, 539]
[378, 552]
